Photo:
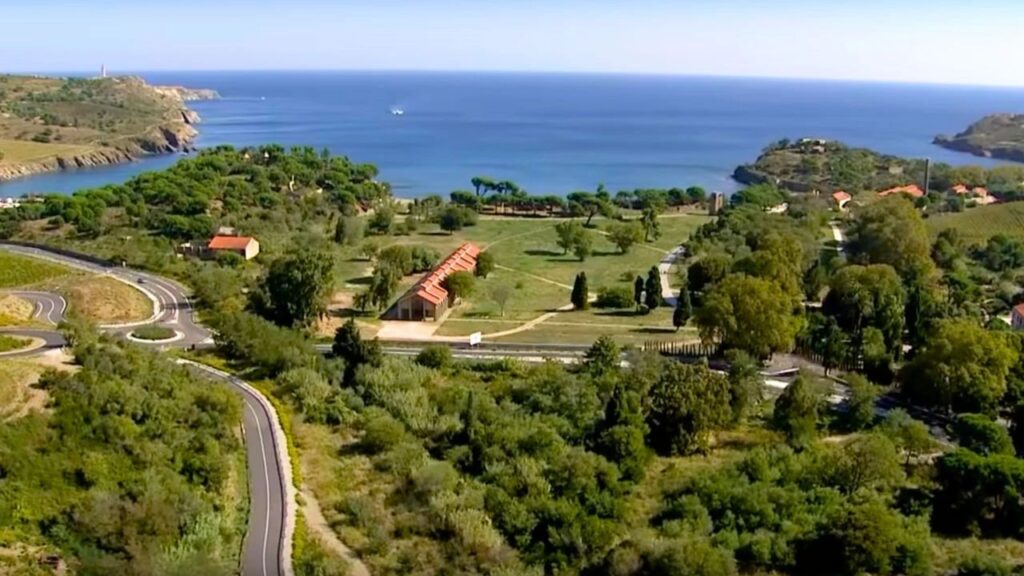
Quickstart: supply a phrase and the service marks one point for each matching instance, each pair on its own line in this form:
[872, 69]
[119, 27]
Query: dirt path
[317, 524]
[534, 276]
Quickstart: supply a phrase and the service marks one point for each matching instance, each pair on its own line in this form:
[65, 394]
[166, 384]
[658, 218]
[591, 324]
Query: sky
[934, 41]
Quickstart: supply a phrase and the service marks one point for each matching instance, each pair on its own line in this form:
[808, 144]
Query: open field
[21, 152]
[978, 224]
[106, 300]
[14, 311]
[17, 395]
[541, 276]
[21, 271]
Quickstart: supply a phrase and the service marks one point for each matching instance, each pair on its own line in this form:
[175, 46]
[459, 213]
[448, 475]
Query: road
[267, 550]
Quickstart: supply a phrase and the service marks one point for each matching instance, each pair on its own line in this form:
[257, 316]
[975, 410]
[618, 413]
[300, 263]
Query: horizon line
[510, 72]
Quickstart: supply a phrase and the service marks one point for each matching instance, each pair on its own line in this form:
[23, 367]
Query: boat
[396, 111]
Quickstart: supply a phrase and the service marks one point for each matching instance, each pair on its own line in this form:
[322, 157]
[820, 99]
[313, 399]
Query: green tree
[962, 368]
[870, 538]
[649, 221]
[891, 231]
[350, 346]
[382, 220]
[709, 270]
[580, 292]
[459, 285]
[484, 264]
[683, 310]
[745, 383]
[451, 219]
[603, 356]
[652, 289]
[383, 284]
[749, 314]
[909, 435]
[583, 247]
[500, 295]
[569, 232]
[482, 185]
[980, 433]
[437, 356]
[1017, 427]
[860, 297]
[638, 291]
[685, 405]
[979, 494]
[296, 288]
[625, 234]
[860, 406]
[796, 412]
[620, 434]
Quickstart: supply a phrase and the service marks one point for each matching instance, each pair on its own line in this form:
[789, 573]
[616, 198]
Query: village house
[912, 190]
[1017, 317]
[841, 199]
[245, 246]
[428, 300]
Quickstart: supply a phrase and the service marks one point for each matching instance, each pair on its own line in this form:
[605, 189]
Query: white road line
[53, 306]
[38, 312]
[266, 477]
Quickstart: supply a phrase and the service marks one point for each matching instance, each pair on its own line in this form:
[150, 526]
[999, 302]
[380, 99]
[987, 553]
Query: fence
[683, 349]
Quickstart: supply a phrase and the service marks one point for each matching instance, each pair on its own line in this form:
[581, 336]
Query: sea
[555, 133]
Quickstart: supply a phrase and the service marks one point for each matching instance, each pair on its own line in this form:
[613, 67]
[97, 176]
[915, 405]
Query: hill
[50, 124]
[995, 136]
[810, 164]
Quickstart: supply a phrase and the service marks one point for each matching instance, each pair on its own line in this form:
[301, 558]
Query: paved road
[271, 518]
[271, 497]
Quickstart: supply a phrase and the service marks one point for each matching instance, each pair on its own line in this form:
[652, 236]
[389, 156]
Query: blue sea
[556, 133]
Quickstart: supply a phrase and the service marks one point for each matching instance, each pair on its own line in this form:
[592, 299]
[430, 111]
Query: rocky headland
[996, 136]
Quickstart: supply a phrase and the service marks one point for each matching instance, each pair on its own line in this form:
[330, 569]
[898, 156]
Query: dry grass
[106, 300]
[18, 270]
[22, 152]
[17, 396]
[950, 552]
[15, 311]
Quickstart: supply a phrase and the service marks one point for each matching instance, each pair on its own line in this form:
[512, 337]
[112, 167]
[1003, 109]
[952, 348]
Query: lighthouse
[103, 70]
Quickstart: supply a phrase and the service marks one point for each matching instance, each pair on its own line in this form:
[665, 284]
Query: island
[49, 124]
[995, 136]
[813, 164]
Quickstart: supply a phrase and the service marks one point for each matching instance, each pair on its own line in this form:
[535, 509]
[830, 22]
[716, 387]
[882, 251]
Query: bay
[555, 133]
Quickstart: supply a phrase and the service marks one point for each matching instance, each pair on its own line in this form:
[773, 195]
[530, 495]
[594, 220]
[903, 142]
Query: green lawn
[978, 224]
[10, 343]
[21, 271]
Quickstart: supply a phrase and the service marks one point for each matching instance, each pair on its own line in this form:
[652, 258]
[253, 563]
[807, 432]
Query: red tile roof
[431, 286]
[841, 196]
[960, 189]
[910, 189]
[980, 191]
[229, 242]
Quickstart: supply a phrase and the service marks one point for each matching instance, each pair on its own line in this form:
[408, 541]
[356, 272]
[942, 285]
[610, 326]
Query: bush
[614, 297]
[979, 433]
[381, 431]
[437, 356]
[153, 333]
[484, 264]
[424, 259]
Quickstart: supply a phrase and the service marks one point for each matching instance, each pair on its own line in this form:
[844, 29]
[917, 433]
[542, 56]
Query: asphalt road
[267, 536]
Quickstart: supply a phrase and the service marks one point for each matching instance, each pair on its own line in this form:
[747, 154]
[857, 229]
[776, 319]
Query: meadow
[21, 271]
[978, 224]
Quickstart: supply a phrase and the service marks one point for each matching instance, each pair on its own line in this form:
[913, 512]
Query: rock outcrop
[997, 136]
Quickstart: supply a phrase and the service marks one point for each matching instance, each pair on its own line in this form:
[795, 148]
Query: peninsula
[995, 136]
[49, 124]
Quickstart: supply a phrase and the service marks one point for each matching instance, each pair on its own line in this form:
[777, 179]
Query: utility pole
[927, 174]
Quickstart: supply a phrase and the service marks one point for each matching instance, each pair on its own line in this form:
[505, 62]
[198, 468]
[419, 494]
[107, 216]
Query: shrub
[381, 431]
[484, 264]
[153, 333]
[614, 297]
[437, 356]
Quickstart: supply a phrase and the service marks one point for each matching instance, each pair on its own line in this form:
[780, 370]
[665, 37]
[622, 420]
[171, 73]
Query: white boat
[396, 111]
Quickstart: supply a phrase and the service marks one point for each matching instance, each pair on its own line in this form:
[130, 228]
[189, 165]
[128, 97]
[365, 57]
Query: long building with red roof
[428, 300]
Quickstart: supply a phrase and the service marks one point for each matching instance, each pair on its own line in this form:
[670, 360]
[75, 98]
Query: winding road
[267, 548]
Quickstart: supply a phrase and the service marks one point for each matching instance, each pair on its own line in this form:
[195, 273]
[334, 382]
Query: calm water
[556, 133]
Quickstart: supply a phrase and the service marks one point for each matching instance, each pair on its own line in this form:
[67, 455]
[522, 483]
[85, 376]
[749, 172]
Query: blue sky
[942, 41]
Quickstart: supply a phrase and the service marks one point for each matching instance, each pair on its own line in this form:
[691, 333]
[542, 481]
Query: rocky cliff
[87, 123]
[996, 136]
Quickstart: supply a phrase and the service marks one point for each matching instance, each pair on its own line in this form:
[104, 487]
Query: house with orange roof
[428, 300]
[960, 190]
[1017, 317]
[841, 199]
[245, 246]
[912, 190]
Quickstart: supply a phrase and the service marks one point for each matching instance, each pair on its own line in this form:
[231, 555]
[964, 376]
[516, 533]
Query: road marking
[266, 477]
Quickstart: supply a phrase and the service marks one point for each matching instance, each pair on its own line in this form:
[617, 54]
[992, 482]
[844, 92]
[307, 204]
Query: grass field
[978, 224]
[21, 152]
[541, 277]
[21, 271]
[9, 343]
[106, 300]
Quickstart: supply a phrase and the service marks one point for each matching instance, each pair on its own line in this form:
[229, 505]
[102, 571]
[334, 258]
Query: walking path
[319, 526]
[665, 269]
[837, 234]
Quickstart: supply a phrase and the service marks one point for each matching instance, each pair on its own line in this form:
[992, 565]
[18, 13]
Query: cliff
[49, 124]
[996, 136]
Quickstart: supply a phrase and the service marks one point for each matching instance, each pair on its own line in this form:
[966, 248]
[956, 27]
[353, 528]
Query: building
[912, 190]
[716, 203]
[960, 190]
[428, 300]
[1017, 317]
[245, 246]
[841, 199]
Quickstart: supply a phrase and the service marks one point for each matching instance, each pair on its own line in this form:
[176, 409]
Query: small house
[245, 246]
[841, 199]
[428, 300]
[1017, 317]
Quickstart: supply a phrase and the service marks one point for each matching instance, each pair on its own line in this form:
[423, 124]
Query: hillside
[50, 124]
[809, 164]
[996, 136]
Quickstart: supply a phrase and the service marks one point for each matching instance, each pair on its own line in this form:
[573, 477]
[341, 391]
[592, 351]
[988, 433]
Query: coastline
[172, 136]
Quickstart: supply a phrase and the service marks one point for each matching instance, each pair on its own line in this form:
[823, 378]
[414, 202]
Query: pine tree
[638, 292]
[580, 292]
[652, 289]
[681, 315]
